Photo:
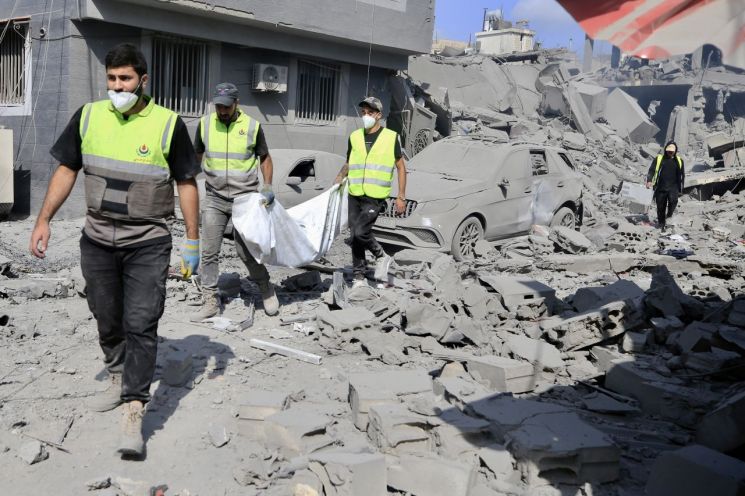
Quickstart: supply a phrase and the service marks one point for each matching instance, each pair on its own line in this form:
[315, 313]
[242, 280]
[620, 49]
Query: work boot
[382, 264]
[269, 297]
[210, 306]
[131, 442]
[110, 398]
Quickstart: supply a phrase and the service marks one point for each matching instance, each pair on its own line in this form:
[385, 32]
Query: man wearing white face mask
[130, 150]
[373, 154]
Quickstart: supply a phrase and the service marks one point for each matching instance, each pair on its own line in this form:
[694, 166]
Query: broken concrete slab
[590, 264]
[587, 298]
[570, 240]
[348, 319]
[393, 428]
[503, 374]
[297, 430]
[460, 391]
[516, 291]
[429, 475]
[218, 435]
[539, 353]
[581, 117]
[353, 474]
[423, 319]
[257, 404]
[723, 429]
[696, 470]
[593, 327]
[625, 115]
[372, 388]
[594, 96]
[33, 452]
[574, 141]
[498, 459]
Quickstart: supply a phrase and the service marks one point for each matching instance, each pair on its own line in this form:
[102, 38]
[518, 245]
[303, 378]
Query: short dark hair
[126, 54]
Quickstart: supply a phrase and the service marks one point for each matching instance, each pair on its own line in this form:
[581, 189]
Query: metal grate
[317, 92]
[13, 45]
[390, 208]
[180, 75]
[424, 234]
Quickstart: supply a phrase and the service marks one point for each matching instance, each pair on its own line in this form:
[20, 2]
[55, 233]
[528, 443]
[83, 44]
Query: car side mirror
[293, 181]
[504, 182]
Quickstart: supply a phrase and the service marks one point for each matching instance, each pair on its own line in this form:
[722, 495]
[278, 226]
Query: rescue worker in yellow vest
[130, 150]
[233, 147]
[667, 176]
[373, 154]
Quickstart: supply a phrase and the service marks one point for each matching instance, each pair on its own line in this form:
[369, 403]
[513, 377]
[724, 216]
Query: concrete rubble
[604, 359]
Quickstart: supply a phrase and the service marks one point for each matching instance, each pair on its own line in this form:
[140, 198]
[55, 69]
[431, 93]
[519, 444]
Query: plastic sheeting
[294, 237]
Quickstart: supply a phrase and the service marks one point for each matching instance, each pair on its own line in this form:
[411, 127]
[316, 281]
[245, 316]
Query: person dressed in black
[667, 176]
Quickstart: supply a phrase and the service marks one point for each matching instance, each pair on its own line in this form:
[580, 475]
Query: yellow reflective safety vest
[370, 174]
[229, 162]
[125, 163]
[658, 164]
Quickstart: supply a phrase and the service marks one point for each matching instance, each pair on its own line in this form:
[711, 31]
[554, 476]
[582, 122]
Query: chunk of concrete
[694, 471]
[371, 388]
[588, 298]
[625, 115]
[423, 319]
[218, 434]
[595, 98]
[498, 459]
[570, 240]
[657, 394]
[459, 434]
[348, 319]
[178, 369]
[636, 342]
[516, 291]
[459, 391]
[352, 474]
[258, 404]
[574, 141]
[296, 431]
[502, 374]
[33, 452]
[428, 475]
[723, 429]
[561, 447]
[393, 427]
[540, 353]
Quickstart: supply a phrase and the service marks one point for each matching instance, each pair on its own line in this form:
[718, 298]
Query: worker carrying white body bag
[294, 237]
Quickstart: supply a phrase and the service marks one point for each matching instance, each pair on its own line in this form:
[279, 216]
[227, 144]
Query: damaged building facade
[300, 68]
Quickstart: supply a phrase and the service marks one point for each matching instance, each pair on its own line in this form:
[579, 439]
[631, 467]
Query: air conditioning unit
[270, 77]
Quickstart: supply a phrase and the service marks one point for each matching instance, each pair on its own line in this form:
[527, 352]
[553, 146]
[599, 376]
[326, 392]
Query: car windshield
[466, 159]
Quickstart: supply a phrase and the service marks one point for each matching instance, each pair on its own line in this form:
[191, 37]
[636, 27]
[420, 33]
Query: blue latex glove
[268, 195]
[189, 257]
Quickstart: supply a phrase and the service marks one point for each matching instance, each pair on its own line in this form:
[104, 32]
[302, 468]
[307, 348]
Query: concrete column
[615, 57]
[587, 63]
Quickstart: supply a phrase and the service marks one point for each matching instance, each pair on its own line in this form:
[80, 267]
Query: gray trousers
[217, 212]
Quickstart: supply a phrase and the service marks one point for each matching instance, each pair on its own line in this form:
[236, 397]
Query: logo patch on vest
[242, 132]
[143, 150]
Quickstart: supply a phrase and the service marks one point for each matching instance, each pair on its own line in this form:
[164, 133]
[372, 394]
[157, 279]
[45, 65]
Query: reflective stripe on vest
[125, 161]
[229, 150]
[371, 174]
[658, 165]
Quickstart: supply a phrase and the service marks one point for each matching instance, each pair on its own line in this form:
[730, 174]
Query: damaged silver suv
[467, 188]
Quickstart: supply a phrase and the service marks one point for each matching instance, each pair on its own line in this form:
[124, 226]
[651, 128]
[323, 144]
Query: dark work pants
[363, 212]
[667, 200]
[126, 290]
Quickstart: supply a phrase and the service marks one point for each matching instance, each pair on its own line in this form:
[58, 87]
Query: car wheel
[469, 232]
[564, 217]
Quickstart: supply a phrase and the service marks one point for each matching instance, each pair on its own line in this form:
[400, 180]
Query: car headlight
[437, 206]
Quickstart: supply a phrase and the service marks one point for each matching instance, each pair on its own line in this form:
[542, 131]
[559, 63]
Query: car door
[513, 190]
[300, 184]
[556, 186]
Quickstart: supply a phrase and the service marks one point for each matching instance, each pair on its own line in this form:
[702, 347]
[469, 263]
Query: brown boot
[210, 306]
[131, 442]
[110, 398]
[269, 297]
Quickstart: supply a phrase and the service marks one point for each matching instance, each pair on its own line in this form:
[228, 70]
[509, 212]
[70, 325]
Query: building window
[14, 55]
[179, 75]
[317, 92]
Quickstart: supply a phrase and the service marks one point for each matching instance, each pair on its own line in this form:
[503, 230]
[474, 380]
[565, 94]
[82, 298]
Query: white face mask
[368, 121]
[124, 100]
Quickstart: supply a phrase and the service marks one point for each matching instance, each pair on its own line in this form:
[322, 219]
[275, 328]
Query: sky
[457, 19]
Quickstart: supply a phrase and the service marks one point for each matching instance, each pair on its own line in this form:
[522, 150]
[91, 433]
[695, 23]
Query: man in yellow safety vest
[233, 147]
[373, 154]
[667, 176]
[131, 151]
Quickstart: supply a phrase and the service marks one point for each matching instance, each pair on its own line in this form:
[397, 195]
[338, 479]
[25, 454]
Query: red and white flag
[660, 28]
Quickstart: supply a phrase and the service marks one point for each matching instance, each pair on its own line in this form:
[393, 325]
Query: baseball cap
[671, 147]
[373, 103]
[225, 94]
